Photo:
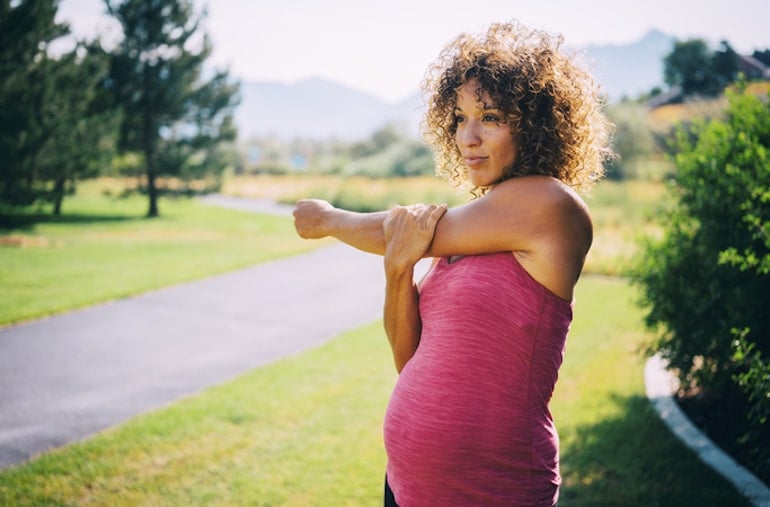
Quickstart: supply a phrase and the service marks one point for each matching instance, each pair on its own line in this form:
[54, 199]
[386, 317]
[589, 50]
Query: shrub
[709, 276]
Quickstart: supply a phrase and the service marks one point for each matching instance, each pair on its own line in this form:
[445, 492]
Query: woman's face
[483, 137]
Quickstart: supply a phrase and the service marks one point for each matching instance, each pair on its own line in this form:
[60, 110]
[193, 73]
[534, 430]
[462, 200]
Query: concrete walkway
[67, 377]
[660, 385]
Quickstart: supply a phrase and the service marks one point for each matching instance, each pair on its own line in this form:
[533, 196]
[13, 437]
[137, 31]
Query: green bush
[709, 276]
[402, 157]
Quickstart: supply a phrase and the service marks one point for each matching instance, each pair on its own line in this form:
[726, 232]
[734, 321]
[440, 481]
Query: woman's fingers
[409, 231]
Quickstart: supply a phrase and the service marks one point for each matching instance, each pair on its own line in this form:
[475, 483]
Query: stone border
[660, 384]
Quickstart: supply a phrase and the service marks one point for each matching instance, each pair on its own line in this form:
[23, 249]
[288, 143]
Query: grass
[622, 213]
[306, 431]
[102, 248]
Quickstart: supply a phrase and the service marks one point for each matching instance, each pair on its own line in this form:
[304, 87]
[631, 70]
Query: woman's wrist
[331, 221]
[397, 268]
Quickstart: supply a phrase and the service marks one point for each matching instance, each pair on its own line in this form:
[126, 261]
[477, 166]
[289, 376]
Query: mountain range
[320, 109]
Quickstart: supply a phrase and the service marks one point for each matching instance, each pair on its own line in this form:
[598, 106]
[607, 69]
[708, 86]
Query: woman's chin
[481, 182]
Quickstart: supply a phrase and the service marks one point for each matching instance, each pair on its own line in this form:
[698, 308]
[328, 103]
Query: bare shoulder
[526, 214]
[541, 195]
[554, 212]
[558, 230]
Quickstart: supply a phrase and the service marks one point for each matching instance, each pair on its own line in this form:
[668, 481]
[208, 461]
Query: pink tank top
[468, 422]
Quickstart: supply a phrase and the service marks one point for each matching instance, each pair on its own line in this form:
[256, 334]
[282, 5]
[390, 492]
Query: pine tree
[171, 115]
[54, 129]
[27, 27]
[80, 126]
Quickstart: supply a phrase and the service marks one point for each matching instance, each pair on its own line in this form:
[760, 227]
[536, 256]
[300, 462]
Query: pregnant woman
[479, 342]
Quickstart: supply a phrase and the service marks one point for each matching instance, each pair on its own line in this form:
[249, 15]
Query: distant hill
[316, 109]
[632, 69]
[320, 109]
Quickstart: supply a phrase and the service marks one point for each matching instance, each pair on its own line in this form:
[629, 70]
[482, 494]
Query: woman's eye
[459, 119]
[491, 117]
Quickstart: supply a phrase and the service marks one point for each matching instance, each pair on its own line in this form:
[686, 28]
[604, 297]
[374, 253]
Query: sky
[382, 47]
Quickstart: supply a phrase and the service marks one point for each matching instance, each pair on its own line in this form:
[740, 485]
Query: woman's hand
[312, 218]
[409, 233]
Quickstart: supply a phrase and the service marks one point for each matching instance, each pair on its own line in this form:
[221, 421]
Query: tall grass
[354, 192]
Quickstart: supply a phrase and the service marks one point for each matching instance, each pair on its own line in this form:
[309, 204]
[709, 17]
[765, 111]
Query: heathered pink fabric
[468, 422]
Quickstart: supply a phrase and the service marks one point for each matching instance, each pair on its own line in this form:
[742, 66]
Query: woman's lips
[474, 162]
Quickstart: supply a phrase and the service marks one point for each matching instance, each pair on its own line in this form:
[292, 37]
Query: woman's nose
[468, 134]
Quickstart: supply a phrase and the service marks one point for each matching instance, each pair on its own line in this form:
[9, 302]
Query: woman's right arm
[520, 214]
[315, 218]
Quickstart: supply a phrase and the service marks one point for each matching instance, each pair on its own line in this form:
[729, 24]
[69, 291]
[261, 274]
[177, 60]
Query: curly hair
[554, 107]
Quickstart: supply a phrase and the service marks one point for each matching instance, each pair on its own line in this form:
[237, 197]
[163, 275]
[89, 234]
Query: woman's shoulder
[524, 214]
[558, 228]
[544, 192]
[548, 206]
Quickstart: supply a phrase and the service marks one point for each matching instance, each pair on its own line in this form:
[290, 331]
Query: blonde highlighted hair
[553, 105]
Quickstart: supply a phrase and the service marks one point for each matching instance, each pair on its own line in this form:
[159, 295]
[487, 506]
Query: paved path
[67, 377]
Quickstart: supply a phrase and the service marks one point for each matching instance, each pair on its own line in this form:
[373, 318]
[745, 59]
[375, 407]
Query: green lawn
[307, 431]
[102, 248]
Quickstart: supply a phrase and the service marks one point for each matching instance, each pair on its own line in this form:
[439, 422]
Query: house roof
[753, 67]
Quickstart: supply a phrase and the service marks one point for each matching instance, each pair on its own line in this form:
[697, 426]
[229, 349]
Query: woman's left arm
[408, 234]
[401, 316]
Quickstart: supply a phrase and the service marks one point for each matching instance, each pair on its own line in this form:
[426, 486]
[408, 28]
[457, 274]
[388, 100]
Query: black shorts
[390, 500]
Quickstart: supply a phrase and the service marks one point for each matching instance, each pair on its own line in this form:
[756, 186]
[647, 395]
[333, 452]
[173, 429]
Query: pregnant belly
[445, 427]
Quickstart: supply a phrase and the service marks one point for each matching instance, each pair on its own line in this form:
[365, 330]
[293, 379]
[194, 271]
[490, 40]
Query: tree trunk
[152, 191]
[149, 161]
[58, 195]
